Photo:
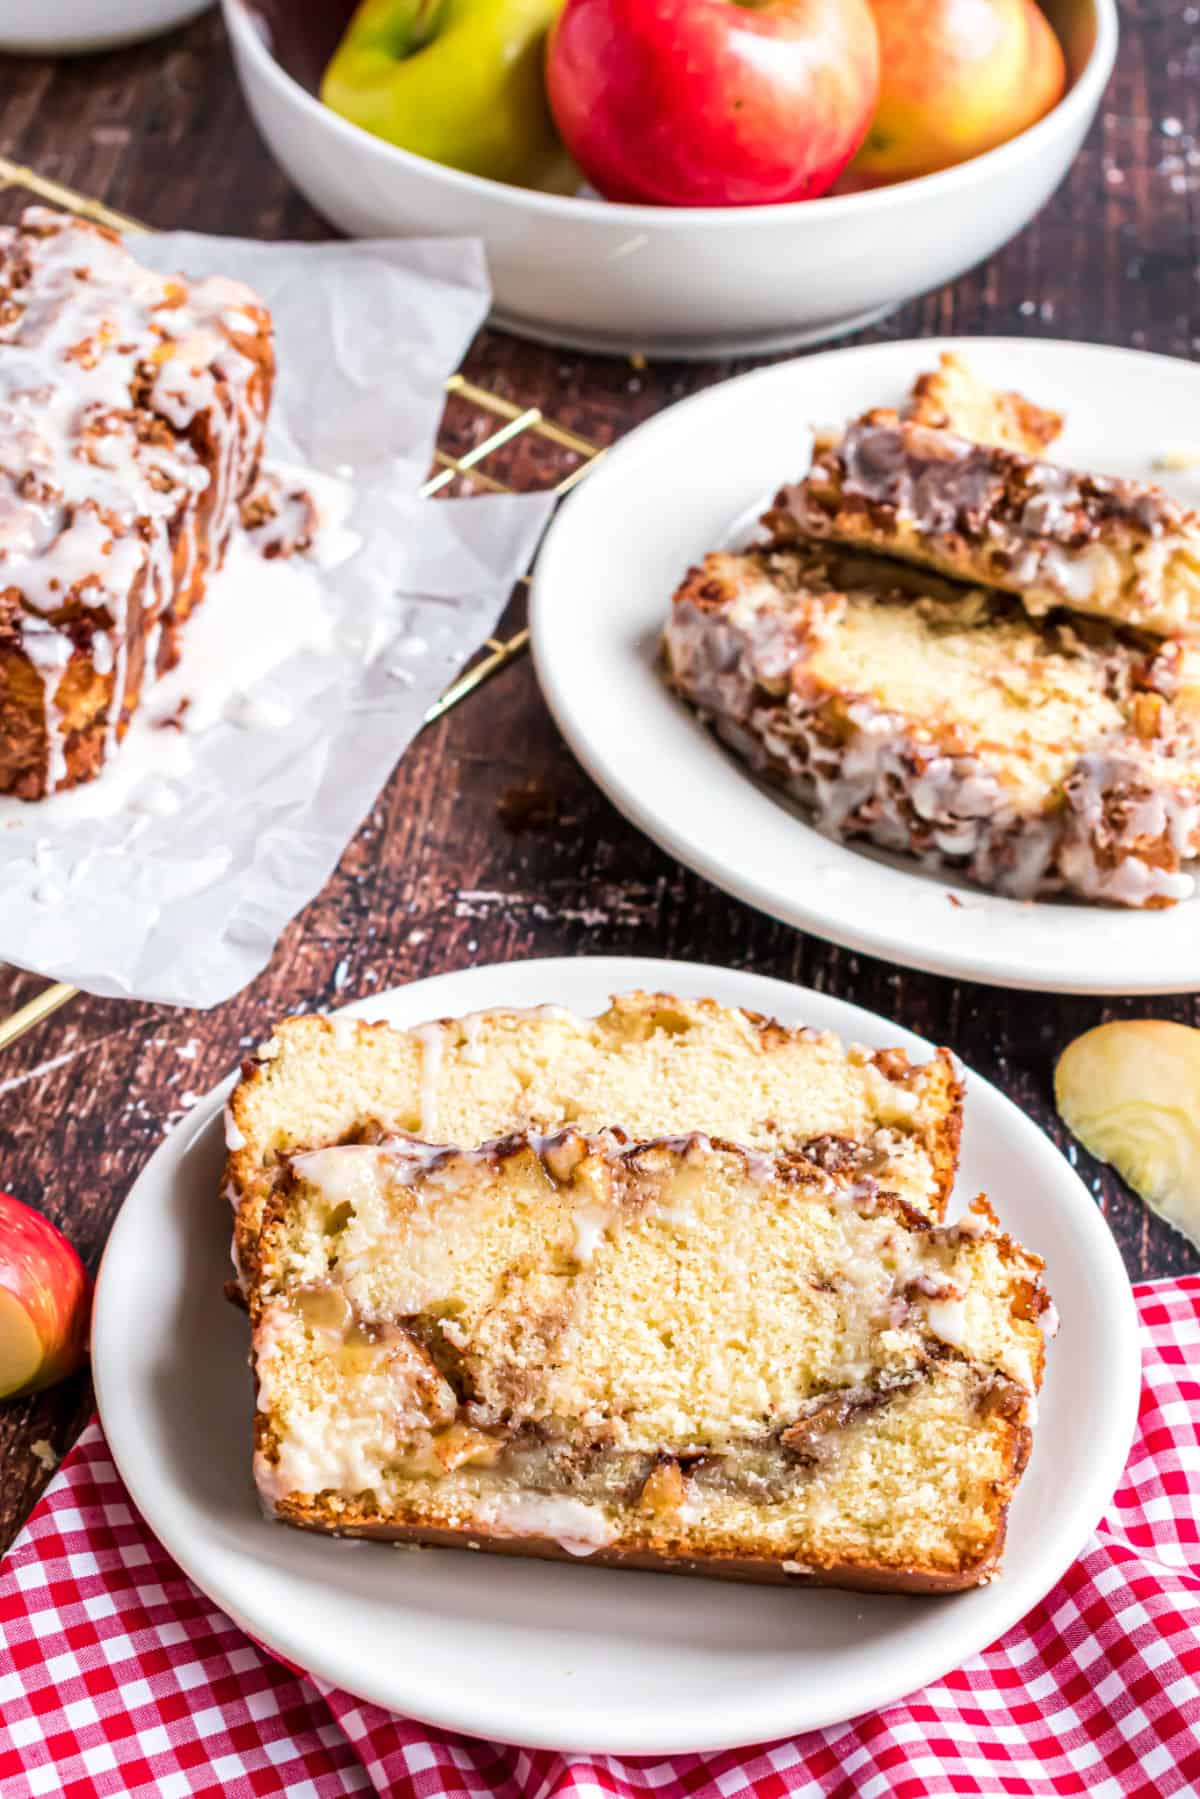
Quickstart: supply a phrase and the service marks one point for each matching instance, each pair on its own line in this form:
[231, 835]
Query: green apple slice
[1130, 1092]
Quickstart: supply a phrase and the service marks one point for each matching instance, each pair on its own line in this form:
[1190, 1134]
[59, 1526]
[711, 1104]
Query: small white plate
[570, 1657]
[674, 489]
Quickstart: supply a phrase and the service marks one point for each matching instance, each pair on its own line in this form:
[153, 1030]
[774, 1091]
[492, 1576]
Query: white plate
[670, 492]
[569, 1657]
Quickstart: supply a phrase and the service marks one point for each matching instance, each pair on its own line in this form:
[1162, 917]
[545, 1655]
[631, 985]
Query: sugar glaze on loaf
[132, 407]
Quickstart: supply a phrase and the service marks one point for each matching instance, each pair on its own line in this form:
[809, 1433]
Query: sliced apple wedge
[44, 1301]
[1131, 1093]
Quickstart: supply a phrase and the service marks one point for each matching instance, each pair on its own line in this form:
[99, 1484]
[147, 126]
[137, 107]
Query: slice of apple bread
[1033, 757]
[1116, 549]
[680, 1355]
[651, 1065]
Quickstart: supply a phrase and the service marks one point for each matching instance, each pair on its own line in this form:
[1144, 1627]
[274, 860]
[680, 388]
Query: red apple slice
[44, 1301]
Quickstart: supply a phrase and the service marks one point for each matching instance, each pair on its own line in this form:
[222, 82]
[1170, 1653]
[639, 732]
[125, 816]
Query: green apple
[459, 81]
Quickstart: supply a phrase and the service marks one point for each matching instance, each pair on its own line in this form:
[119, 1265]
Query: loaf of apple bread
[132, 408]
[681, 1355]
[652, 1064]
[1116, 549]
[1032, 756]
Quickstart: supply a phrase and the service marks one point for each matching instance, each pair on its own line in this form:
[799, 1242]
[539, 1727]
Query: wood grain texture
[434, 879]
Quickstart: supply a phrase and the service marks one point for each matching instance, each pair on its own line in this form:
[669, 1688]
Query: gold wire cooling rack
[514, 421]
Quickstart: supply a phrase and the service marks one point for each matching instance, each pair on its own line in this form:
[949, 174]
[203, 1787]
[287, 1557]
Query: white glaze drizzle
[1052, 535]
[97, 507]
[881, 784]
[575, 1525]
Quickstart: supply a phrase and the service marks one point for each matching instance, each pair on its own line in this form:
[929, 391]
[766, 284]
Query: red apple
[45, 1298]
[713, 102]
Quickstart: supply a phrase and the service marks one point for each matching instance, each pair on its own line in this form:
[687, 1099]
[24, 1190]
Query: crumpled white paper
[187, 908]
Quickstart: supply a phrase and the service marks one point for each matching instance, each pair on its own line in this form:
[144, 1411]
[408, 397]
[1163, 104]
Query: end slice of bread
[682, 1355]
[651, 1065]
[952, 397]
[1099, 545]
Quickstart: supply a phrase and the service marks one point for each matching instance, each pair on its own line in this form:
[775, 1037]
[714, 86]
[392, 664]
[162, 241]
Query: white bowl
[52, 27]
[683, 281]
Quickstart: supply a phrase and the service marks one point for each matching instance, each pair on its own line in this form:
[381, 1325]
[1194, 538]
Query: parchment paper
[187, 908]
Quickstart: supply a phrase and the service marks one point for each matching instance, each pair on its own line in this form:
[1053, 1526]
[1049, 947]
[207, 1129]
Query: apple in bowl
[958, 78]
[458, 81]
[45, 1298]
[713, 102]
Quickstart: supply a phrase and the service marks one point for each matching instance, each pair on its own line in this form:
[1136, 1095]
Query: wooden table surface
[436, 879]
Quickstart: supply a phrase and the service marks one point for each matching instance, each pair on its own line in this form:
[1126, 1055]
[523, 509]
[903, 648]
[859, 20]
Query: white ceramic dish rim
[1080, 97]
[28, 27]
[971, 954]
[1023, 1585]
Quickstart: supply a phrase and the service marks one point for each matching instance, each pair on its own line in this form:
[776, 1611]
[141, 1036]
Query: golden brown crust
[656, 1548]
[945, 1142]
[726, 1565]
[953, 398]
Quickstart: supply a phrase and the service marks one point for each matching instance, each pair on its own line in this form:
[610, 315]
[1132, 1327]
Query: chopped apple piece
[1131, 1093]
[44, 1301]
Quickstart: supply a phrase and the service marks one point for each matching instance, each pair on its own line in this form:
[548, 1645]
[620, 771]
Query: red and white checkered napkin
[118, 1677]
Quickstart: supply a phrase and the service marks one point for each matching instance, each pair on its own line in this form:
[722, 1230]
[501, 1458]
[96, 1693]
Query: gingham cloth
[118, 1677]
